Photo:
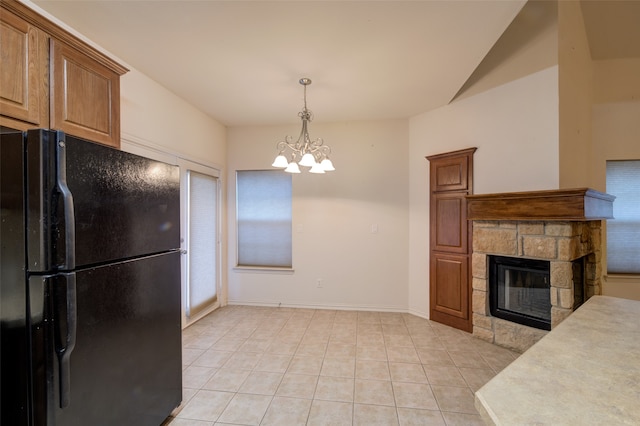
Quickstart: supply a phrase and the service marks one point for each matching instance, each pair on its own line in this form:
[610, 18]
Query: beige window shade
[203, 220]
[263, 214]
[623, 232]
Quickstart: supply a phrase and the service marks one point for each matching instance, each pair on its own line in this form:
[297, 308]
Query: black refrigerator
[90, 284]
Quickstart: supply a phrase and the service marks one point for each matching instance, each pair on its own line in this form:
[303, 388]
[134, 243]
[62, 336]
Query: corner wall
[616, 130]
[514, 127]
[575, 86]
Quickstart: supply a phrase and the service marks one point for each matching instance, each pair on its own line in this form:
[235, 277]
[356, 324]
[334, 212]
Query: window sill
[263, 270]
[622, 278]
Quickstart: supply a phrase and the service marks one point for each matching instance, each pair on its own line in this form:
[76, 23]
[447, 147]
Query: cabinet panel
[85, 98]
[450, 298]
[450, 174]
[23, 80]
[449, 229]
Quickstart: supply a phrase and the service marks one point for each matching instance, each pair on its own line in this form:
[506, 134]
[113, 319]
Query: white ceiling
[240, 61]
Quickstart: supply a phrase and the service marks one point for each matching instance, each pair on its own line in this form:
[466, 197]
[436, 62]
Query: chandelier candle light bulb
[304, 151]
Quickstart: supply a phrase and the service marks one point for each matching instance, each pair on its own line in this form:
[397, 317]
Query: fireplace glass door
[520, 291]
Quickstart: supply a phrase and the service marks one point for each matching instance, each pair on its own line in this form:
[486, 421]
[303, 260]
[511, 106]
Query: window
[623, 232]
[263, 214]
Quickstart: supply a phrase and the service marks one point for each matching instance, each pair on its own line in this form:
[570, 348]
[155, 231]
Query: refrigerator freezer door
[89, 204]
[125, 205]
[125, 368]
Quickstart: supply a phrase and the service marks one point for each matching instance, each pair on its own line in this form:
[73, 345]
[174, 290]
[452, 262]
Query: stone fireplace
[560, 227]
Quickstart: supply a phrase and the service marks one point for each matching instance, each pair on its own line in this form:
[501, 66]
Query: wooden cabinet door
[450, 298]
[451, 180]
[85, 96]
[23, 80]
[448, 230]
[450, 173]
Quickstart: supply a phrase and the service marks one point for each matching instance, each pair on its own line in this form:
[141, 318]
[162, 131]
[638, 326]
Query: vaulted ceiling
[240, 61]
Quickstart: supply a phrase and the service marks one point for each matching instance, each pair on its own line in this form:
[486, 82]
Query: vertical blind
[203, 220]
[263, 215]
[623, 232]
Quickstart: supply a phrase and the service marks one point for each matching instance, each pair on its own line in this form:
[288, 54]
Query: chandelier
[304, 151]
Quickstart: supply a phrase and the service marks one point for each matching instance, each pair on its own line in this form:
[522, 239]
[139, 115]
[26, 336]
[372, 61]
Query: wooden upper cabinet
[24, 79]
[85, 96]
[52, 79]
[450, 174]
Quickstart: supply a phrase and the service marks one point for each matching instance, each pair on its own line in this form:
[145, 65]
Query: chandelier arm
[324, 149]
[281, 146]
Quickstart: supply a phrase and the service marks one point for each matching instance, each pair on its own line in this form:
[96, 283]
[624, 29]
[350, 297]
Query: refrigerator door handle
[65, 212]
[65, 320]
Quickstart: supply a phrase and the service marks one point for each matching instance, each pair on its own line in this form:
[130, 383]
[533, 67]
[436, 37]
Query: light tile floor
[247, 365]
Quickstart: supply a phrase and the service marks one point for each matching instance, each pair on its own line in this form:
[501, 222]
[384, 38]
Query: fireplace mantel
[580, 204]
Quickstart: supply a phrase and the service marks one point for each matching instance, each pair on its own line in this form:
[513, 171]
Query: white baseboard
[339, 307]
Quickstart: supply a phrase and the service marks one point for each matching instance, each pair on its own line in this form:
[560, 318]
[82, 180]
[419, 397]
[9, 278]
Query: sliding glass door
[201, 235]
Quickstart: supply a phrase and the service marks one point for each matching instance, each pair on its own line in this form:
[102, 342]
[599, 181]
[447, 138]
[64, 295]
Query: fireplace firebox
[519, 290]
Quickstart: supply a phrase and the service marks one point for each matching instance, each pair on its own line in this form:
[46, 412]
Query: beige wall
[616, 115]
[333, 215]
[528, 45]
[575, 87]
[515, 129]
[599, 118]
[152, 114]
[616, 136]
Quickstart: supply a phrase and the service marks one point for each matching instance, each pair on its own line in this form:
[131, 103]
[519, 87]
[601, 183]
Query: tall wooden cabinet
[451, 180]
[49, 78]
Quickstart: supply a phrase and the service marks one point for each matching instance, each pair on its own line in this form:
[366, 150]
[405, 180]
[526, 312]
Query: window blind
[623, 232]
[263, 216]
[203, 220]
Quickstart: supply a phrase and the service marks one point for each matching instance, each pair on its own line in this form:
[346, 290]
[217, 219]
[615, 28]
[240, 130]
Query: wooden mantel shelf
[578, 204]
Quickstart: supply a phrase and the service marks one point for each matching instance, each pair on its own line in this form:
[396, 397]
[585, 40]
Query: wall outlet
[319, 283]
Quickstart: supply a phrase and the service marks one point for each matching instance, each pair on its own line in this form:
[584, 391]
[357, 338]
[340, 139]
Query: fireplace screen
[519, 291]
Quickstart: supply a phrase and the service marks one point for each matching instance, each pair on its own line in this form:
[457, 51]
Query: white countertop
[586, 371]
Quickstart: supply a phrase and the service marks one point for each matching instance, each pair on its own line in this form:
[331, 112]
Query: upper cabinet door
[23, 80]
[85, 96]
[450, 174]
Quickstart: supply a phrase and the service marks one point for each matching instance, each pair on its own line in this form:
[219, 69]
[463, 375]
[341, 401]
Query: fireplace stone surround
[559, 226]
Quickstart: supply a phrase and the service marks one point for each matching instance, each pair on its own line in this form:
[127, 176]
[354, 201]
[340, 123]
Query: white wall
[153, 114]
[332, 219]
[514, 127]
